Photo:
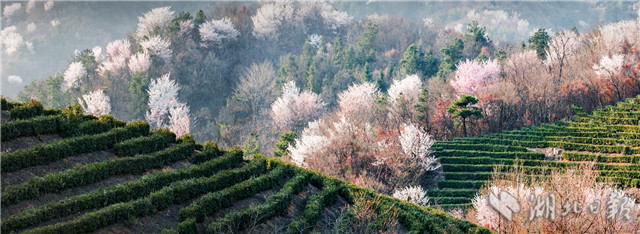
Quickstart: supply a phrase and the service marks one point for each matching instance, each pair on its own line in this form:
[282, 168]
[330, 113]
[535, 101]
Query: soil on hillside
[27, 142]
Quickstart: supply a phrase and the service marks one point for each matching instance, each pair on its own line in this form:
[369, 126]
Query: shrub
[92, 173]
[43, 154]
[119, 193]
[159, 139]
[27, 110]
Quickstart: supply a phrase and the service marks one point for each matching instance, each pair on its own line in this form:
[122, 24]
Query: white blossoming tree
[157, 17]
[330, 17]
[95, 103]
[157, 46]
[472, 76]
[358, 102]
[117, 54]
[215, 31]
[295, 108]
[403, 96]
[270, 16]
[162, 91]
[413, 194]
[409, 88]
[139, 62]
[310, 143]
[179, 122]
[97, 54]
[609, 66]
[73, 74]
[417, 144]
[563, 47]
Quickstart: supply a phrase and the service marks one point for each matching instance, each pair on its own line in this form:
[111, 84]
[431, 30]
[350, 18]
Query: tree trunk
[464, 127]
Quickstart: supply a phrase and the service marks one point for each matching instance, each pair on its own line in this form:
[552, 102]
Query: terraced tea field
[609, 136]
[65, 172]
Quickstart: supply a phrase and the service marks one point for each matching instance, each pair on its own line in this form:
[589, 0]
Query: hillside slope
[66, 172]
[609, 136]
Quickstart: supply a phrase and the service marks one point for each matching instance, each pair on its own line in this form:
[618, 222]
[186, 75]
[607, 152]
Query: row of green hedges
[600, 158]
[27, 110]
[616, 114]
[184, 190]
[313, 209]
[530, 163]
[450, 200]
[470, 193]
[441, 145]
[460, 184]
[31, 127]
[122, 192]
[210, 203]
[616, 120]
[44, 154]
[467, 175]
[93, 172]
[512, 136]
[159, 139]
[95, 220]
[62, 124]
[470, 153]
[176, 192]
[274, 205]
[456, 206]
[87, 125]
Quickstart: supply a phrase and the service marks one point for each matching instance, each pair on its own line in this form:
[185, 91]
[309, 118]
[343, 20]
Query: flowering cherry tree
[179, 122]
[613, 35]
[409, 88]
[139, 62]
[609, 66]
[214, 31]
[358, 101]
[186, 27]
[310, 143]
[270, 16]
[72, 75]
[97, 54]
[332, 18]
[117, 54]
[413, 194]
[162, 92]
[294, 108]
[119, 48]
[417, 144]
[157, 46]
[95, 103]
[472, 76]
[158, 17]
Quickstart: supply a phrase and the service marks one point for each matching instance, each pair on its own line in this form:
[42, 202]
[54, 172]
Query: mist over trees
[345, 91]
